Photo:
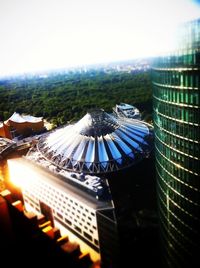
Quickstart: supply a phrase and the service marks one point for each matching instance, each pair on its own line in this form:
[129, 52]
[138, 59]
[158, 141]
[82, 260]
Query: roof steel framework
[98, 143]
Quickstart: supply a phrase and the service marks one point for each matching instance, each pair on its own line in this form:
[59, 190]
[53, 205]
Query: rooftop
[98, 143]
[63, 185]
[125, 110]
[125, 106]
[23, 118]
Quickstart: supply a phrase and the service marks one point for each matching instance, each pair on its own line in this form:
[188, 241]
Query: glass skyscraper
[176, 96]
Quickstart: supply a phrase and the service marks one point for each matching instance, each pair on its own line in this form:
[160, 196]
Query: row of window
[190, 35]
[180, 188]
[175, 78]
[171, 255]
[173, 210]
[61, 200]
[175, 241]
[185, 162]
[184, 235]
[175, 171]
[177, 144]
[184, 58]
[177, 96]
[188, 52]
[75, 223]
[186, 114]
[173, 223]
[67, 209]
[184, 131]
[31, 203]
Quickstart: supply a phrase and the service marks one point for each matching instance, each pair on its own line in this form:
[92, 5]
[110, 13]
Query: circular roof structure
[98, 143]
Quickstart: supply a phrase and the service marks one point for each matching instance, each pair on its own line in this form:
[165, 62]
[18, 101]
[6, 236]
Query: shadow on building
[27, 239]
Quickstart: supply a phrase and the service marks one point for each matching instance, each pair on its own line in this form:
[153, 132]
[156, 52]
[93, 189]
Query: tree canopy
[61, 98]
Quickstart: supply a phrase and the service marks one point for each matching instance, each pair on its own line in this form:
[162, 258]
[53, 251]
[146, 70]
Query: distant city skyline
[41, 35]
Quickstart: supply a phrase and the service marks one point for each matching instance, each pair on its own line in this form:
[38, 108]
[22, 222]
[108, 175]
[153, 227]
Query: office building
[27, 237]
[176, 96]
[72, 176]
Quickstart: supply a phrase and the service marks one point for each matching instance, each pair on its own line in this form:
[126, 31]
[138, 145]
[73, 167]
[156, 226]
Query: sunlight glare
[55, 34]
[20, 175]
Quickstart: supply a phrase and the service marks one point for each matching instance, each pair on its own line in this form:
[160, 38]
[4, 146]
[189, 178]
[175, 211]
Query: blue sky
[43, 34]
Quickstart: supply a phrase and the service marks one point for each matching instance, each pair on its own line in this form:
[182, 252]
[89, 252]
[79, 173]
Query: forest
[65, 97]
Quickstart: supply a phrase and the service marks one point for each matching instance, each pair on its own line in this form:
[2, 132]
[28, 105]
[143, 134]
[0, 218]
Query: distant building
[18, 126]
[127, 111]
[176, 81]
[78, 185]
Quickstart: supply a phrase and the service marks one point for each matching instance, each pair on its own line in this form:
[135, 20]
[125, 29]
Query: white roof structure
[125, 106]
[23, 118]
[98, 143]
[127, 111]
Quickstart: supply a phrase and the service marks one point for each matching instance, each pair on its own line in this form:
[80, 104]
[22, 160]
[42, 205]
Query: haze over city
[38, 35]
[100, 133]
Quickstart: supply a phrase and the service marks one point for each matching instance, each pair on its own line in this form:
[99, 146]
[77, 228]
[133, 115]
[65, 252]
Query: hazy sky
[43, 34]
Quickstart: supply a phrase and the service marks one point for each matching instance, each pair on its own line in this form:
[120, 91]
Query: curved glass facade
[176, 94]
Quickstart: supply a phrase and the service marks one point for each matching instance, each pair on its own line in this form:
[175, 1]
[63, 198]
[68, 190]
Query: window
[87, 236]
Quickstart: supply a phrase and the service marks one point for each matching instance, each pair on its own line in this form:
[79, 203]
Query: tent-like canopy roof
[17, 118]
[98, 143]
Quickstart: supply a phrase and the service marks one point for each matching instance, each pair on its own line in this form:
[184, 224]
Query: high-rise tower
[176, 94]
